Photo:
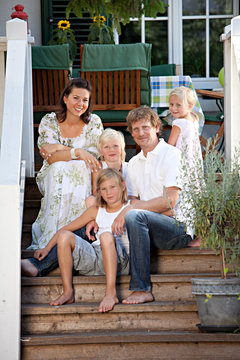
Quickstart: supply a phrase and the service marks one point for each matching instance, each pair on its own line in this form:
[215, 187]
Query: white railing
[16, 158]
[231, 38]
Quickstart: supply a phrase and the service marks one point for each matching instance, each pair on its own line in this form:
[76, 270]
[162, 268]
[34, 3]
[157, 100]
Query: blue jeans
[145, 228]
[50, 262]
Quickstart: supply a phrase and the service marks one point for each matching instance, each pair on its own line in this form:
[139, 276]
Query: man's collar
[155, 151]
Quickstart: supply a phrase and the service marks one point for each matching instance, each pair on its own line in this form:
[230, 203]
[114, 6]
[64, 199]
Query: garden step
[122, 345]
[42, 290]
[183, 261]
[83, 317]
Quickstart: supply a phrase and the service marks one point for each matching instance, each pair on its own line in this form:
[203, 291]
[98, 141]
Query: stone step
[39, 290]
[122, 345]
[83, 317]
[183, 261]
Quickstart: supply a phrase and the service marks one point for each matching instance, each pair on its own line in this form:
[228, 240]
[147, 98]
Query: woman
[68, 144]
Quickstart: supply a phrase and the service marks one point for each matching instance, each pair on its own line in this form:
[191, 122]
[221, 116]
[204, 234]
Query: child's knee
[65, 238]
[107, 239]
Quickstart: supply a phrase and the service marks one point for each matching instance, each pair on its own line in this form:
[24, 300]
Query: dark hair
[80, 84]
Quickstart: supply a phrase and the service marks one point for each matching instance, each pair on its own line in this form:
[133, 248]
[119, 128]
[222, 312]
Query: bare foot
[65, 298]
[139, 297]
[108, 303]
[27, 268]
[196, 242]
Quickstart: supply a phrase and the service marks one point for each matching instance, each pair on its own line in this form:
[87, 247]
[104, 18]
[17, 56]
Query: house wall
[31, 7]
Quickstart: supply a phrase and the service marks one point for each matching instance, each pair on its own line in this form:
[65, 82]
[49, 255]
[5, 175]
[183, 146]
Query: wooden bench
[47, 87]
[119, 90]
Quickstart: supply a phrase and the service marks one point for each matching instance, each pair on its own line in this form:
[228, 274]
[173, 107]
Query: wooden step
[132, 345]
[83, 317]
[31, 189]
[183, 261]
[31, 210]
[39, 290]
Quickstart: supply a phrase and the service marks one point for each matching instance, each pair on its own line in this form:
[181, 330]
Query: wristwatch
[73, 156]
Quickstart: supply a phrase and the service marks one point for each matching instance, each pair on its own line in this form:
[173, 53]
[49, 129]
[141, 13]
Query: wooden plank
[55, 85]
[50, 87]
[127, 86]
[116, 87]
[138, 88]
[94, 87]
[45, 87]
[110, 87]
[99, 87]
[105, 88]
[39, 87]
[61, 83]
[133, 86]
[121, 86]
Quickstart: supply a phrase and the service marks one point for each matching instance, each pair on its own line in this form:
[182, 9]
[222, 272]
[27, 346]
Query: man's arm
[160, 204]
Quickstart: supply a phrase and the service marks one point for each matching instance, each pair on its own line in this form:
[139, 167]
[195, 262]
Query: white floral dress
[65, 184]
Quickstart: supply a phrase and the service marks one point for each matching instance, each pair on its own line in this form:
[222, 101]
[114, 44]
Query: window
[187, 34]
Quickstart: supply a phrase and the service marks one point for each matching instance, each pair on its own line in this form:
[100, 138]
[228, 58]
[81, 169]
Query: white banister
[231, 38]
[17, 108]
[3, 49]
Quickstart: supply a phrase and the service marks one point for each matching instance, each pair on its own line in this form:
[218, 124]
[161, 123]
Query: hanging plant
[119, 12]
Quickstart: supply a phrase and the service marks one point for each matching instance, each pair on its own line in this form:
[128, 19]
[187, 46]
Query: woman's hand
[91, 162]
[49, 149]
[40, 254]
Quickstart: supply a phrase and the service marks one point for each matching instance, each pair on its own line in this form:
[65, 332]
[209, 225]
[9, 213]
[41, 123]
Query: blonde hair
[143, 113]
[107, 174]
[110, 134]
[186, 95]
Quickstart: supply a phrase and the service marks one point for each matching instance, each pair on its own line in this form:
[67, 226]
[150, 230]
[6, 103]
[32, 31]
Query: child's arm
[175, 132]
[88, 215]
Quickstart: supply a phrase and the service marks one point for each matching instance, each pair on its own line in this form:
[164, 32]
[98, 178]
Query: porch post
[232, 87]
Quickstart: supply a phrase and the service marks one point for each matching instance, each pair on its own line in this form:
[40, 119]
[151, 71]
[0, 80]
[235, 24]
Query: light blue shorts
[87, 258]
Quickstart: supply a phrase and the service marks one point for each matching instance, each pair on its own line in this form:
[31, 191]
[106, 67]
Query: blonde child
[111, 147]
[185, 132]
[185, 126]
[108, 254]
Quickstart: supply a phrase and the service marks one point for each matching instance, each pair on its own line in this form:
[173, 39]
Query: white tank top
[104, 220]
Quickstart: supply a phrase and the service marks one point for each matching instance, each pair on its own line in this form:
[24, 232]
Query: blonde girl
[185, 127]
[108, 254]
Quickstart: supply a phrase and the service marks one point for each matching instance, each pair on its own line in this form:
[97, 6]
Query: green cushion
[112, 115]
[163, 70]
[51, 57]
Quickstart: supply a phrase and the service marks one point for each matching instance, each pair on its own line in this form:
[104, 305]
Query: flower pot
[222, 308]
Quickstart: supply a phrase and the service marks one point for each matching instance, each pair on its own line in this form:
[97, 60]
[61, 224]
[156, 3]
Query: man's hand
[40, 254]
[119, 222]
[91, 225]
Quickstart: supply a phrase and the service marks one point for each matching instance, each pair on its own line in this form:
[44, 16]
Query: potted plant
[212, 201]
[63, 34]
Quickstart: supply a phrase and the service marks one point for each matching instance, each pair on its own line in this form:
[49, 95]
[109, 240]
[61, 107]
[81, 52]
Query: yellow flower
[102, 19]
[63, 24]
[95, 19]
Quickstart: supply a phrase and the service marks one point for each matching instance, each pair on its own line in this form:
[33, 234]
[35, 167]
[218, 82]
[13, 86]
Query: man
[154, 174]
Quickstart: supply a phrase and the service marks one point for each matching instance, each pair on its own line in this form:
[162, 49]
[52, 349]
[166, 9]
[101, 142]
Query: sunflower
[102, 19]
[63, 24]
[95, 19]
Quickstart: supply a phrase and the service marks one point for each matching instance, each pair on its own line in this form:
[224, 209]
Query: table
[161, 87]
[218, 96]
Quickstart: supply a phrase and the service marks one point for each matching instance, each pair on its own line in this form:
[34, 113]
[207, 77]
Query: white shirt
[160, 168]
[105, 220]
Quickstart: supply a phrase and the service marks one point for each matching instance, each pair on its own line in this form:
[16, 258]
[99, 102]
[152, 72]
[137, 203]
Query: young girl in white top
[185, 133]
[111, 147]
[108, 254]
[185, 126]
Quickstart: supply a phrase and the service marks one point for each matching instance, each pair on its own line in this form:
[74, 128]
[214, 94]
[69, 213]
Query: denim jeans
[50, 262]
[145, 228]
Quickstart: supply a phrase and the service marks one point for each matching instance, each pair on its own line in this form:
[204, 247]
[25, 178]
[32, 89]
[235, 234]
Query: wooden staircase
[164, 329]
